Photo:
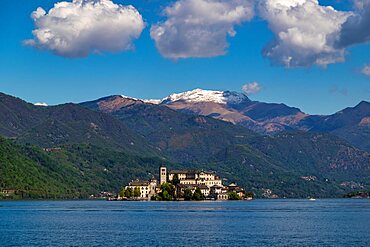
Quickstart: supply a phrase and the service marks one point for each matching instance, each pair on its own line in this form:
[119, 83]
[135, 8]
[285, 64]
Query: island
[182, 185]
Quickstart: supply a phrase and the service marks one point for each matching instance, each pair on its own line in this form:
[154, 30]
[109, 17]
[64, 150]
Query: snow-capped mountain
[200, 95]
[228, 106]
[351, 123]
[197, 96]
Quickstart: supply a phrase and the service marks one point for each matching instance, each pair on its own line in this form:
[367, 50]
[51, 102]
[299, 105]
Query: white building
[147, 188]
[194, 177]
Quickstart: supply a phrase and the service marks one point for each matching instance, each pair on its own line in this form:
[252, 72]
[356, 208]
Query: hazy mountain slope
[357, 135]
[260, 111]
[16, 115]
[348, 117]
[269, 180]
[67, 124]
[316, 153]
[351, 124]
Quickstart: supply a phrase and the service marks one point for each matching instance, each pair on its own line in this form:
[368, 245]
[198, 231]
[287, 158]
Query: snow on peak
[41, 104]
[197, 96]
[200, 95]
[153, 101]
[128, 97]
[149, 101]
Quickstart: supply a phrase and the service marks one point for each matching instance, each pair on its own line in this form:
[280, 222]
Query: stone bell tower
[162, 175]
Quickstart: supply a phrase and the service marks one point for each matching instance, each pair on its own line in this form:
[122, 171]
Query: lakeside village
[182, 185]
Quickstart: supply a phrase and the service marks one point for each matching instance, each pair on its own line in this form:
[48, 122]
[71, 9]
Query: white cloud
[199, 28]
[251, 88]
[305, 32]
[81, 27]
[366, 70]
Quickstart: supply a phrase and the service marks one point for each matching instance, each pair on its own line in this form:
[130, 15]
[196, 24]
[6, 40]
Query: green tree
[198, 195]
[188, 195]
[234, 196]
[175, 180]
[137, 192]
[249, 195]
[122, 192]
[128, 192]
[167, 192]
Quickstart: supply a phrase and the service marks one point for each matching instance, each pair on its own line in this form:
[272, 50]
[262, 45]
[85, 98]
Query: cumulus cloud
[199, 28]
[305, 32]
[78, 28]
[356, 29]
[366, 70]
[251, 88]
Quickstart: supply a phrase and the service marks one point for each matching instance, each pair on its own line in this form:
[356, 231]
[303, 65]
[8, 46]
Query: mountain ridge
[351, 123]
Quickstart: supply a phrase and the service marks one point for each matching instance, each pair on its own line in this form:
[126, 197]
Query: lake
[332, 222]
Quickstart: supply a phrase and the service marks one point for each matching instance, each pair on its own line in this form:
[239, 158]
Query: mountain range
[351, 124]
[271, 149]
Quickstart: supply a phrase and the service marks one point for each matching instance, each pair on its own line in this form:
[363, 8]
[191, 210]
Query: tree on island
[128, 192]
[167, 192]
[122, 192]
[188, 194]
[137, 192]
[175, 180]
[198, 195]
[234, 196]
[249, 195]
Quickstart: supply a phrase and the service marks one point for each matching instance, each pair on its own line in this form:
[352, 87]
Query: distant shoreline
[257, 199]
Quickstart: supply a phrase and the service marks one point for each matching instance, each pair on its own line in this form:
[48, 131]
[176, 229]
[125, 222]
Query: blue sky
[41, 76]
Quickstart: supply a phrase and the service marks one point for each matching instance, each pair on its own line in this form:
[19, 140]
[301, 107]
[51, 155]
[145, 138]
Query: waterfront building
[147, 188]
[194, 177]
[235, 188]
[180, 189]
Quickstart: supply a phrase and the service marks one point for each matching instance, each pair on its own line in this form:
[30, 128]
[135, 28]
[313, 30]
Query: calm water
[255, 223]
